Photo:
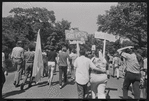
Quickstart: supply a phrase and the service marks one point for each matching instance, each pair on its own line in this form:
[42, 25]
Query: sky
[82, 15]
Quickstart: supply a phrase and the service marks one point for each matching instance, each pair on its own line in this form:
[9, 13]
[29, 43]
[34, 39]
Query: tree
[25, 24]
[8, 34]
[36, 18]
[127, 19]
[126, 43]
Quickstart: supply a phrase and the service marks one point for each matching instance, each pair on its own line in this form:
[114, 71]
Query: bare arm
[121, 49]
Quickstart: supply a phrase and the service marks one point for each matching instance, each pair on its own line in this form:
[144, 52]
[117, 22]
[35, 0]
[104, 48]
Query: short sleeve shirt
[63, 56]
[131, 62]
[82, 65]
[51, 56]
[17, 52]
[29, 56]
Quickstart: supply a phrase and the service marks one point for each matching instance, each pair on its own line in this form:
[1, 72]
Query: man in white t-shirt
[81, 66]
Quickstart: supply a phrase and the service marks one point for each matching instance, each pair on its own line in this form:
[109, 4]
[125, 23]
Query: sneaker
[117, 78]
[29, 85]
[108, 76]
[22, 86]
[14, 83]
[60, 87]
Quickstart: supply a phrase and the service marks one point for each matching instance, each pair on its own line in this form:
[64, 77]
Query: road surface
[42, 90]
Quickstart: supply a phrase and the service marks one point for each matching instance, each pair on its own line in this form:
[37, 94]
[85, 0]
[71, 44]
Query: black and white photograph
[74, 50]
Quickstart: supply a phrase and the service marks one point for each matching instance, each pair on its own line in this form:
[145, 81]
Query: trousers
[28, 70]
[18, 66]
[82, 90]
[135, 80]
[62, 70]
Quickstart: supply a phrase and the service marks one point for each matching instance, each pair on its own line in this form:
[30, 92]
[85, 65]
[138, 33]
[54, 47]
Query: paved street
[42, 90]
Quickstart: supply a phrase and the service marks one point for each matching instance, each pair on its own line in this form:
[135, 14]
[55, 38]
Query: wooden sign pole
[104, 47]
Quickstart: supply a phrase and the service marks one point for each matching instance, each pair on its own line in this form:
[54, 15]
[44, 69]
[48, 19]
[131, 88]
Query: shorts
[98, 78]
[51, 64]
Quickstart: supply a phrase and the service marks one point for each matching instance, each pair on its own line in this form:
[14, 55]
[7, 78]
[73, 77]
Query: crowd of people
[84, 68]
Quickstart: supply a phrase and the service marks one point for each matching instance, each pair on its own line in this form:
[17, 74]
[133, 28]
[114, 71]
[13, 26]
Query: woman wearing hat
[98, 78]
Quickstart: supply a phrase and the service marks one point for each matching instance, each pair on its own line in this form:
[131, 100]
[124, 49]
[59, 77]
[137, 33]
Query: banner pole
[104, 47]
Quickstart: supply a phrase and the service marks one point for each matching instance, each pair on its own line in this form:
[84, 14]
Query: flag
[38, 61]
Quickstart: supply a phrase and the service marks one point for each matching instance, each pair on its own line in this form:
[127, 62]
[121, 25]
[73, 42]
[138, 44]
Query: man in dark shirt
[29, 59]
[51, 63]
[63, 57]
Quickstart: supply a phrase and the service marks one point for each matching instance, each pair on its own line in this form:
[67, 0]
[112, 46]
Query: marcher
[23, 64]
[107, 67]
[56, 62]
[132, 72]
[82, 65]
[116, 63]
[143, 85]
[63, 65]
[51, 54]
[110, 60]
[45, 64]
[123, 63]
[18, 57]
[72, 56]
[98, 78]
[4, 70]
[29, 59]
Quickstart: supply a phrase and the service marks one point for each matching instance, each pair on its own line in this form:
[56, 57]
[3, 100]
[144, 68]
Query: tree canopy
[23, 25]
[127, 19]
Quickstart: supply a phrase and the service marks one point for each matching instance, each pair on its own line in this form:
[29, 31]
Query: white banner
[102, 35]
[75, 35]
[75, 42]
